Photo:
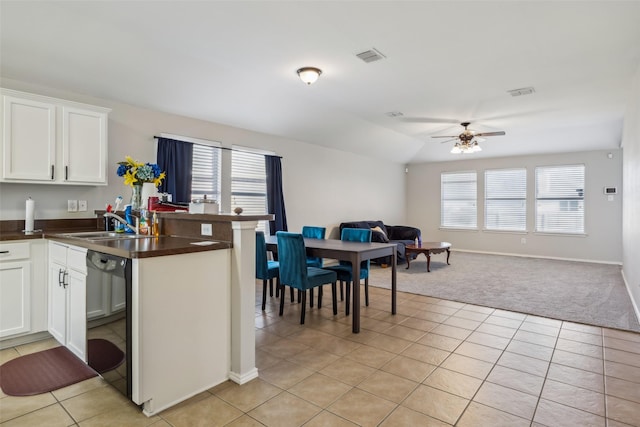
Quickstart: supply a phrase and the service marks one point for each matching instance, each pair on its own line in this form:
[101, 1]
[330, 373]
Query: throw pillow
[381, 233]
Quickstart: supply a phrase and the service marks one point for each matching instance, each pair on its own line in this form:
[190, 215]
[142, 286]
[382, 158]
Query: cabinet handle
[66, 173]
[4, 252]
[52, 172]
[64, 279]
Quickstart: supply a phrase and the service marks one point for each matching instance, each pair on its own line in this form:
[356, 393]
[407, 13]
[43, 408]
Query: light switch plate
[72, 205]
[82, 205]
[206, 229]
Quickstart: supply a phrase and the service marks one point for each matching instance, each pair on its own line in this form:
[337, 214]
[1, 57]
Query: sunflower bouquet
[137, 173]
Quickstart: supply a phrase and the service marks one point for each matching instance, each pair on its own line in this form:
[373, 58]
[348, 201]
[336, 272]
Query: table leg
[394, 264]
[448, 253]
[428, 261]
[408, 257]
[355, 310]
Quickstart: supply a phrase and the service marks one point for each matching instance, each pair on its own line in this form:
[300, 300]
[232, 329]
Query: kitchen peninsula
[192, 303]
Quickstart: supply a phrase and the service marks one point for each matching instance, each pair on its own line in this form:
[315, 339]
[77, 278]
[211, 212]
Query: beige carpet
[581, 292]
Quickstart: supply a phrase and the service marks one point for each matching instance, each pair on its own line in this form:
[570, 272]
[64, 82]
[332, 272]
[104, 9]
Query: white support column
[243, 289]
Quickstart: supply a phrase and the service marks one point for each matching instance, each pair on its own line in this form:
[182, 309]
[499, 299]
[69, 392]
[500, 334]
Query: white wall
[322, 186]
[603, 219]
[631, 194]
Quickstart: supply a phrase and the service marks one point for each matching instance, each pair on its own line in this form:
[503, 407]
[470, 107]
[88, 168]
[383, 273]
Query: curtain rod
[225, 148]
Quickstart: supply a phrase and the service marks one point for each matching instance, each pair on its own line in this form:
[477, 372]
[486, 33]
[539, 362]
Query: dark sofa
[401, 235]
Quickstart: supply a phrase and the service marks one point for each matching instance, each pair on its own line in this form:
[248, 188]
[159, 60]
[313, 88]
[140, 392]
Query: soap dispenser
[129, 218]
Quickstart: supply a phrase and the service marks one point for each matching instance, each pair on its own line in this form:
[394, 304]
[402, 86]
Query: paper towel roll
[30, 212]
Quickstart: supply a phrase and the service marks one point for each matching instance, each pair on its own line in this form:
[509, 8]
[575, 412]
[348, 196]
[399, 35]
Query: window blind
[560, 199]
[249, 184]
[505, 204]
[206, 172]
[458, 204]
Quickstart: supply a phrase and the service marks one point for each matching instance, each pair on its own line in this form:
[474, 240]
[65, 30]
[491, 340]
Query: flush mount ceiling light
[309, 75]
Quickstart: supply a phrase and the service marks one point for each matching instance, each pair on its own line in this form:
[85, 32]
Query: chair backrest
[356, 235]
[292, 257]
[313, 232]
[261, 256]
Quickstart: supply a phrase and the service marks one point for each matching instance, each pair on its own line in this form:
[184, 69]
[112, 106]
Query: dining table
[355, 253]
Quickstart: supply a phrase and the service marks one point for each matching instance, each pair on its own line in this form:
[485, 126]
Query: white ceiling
[234, 63]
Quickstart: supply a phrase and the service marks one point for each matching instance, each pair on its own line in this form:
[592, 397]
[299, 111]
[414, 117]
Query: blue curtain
[175, 158]
[275, 198]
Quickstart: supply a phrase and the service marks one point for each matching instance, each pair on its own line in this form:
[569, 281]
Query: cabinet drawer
[58, 252]
[77, 259]
[14, 251]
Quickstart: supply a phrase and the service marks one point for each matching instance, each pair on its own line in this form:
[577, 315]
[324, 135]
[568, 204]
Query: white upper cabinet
[52, 141]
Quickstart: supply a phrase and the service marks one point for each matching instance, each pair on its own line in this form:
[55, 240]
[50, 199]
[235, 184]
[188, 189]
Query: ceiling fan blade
[455, 138]
[444, 136]
[427, 120]
[491, 133]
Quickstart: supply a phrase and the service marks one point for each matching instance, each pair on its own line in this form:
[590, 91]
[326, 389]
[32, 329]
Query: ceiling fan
[467, 142]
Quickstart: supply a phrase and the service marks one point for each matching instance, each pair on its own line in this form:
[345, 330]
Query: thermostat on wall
[610, 190]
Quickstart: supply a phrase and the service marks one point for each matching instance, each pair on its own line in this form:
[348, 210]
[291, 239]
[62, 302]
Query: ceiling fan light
[309, 75]
[456, 149]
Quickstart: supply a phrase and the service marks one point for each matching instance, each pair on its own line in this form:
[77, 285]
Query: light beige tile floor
[435, 363]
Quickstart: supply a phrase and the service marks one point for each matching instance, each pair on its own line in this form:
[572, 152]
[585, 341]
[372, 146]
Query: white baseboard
[633, 302]
[243, 378]
[538, 256]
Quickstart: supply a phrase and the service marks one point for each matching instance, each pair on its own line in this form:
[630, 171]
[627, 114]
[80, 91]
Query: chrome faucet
[121, 220]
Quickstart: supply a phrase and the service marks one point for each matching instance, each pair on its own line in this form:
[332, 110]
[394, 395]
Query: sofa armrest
[403, 232]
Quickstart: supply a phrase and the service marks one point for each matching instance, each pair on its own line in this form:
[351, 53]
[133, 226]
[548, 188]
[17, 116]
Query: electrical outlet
[82, 205]
[523, 240]
[72, 205]
[206, 229]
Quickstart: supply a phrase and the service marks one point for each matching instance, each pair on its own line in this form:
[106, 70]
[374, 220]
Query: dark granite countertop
[144, 247]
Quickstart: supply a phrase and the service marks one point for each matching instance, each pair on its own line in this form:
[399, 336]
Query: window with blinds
[458, 200]
[206, 172]
[249, 184]
[505, 199]
[560, 199]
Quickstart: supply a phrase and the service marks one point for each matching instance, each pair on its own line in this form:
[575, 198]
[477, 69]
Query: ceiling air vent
[370, 55]
[394, 114]
[521, 91]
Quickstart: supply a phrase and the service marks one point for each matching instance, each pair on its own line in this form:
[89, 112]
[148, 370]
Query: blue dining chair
[314, 233]
[295, 273]
[344, 270]
[265, 269]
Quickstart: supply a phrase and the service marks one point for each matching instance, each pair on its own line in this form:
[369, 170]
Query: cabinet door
[77, 314]
[84, 145]
[28, 139]
[57, 302]
[15, 301]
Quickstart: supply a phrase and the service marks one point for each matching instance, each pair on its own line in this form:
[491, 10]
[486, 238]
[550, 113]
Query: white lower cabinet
[68, 297]
[23, 288]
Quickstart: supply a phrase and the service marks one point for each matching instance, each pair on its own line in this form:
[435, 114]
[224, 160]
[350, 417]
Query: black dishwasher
[109, 318]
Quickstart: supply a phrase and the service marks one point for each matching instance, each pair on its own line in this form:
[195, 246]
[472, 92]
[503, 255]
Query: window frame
[579, 206]
[443, 204]
[522, 199]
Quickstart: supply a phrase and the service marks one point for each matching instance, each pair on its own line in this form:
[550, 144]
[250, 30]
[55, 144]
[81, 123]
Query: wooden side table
[427, 248]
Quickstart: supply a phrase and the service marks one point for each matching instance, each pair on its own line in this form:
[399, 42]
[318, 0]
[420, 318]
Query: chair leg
[291, 292]
[347, 300]
[271, 287]
[320, 296]
[334, 298]
[264, 294]
[366, 291]
[310, 297]
[341, 290]
[304, 306]
[277, 289]
[281, 286]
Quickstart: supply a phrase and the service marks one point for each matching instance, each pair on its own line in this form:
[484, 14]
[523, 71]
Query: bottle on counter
[143, 228]
[155, 226]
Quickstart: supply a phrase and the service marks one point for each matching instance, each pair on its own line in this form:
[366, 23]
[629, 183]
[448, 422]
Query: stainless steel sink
[102, 235]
